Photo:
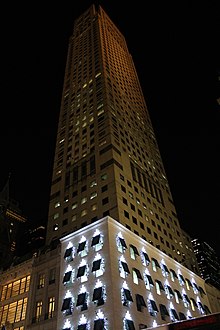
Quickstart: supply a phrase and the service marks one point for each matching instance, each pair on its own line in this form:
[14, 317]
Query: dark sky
[174, 45]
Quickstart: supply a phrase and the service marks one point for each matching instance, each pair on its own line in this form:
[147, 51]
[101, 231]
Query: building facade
[112, 279]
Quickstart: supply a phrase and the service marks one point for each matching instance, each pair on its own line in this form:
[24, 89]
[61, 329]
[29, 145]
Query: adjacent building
[11, 222]
[208, 262]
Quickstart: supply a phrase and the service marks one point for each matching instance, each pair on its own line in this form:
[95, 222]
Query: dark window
[182, 278]
[82, 327]
[81, 271]
[66, 304]
[125, 267]
[140, 302]
[96, 265]
[127, 294]
[67, 276]
[207, 310]
[153, 305]
[150, 280]
[81, 246]
[186, 298]
[130, 324]
[97, 294]
[81, 299]
[201, 290]
[170, 290]
[105, 201]
[68, 253]
[165, 268]
[95, 240]
[174, 313]
[122, 241]
[163, 311]
[146, 258]
[182, 316]
[99, 324]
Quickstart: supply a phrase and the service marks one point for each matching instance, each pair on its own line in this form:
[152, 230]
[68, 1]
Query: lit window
[93, 183]
[193, 304]
[188, 284]
[83, 213]
[93, 195]
[173, 275]
[94, 207]
[74, 206]
[159, 287]
[39, 308]
[83, 200]
[123, 269]
[51, 307]
[155, 264]
[177, 296]
[56, 216]
[136, 275]
[133, 251]
[121, 244]
[41, 281]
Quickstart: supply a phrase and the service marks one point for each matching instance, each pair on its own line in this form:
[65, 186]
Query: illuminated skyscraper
[107, 160]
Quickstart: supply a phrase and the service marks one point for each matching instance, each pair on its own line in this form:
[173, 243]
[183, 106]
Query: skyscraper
[107, 160]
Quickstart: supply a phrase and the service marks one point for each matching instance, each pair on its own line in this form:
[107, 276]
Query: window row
[83, 248]
[146, 260]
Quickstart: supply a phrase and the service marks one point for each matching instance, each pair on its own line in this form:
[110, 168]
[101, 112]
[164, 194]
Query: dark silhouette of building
[208, 262]
[11, 221]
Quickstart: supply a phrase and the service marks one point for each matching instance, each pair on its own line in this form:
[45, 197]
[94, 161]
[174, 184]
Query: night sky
[174, 45]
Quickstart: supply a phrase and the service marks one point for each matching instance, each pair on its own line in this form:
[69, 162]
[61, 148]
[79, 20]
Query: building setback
[112, 278]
